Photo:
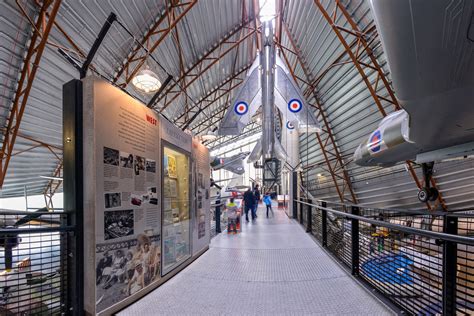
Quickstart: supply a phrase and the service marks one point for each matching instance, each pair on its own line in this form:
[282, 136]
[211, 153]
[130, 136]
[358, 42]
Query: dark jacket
[249, 198]
[257, 194]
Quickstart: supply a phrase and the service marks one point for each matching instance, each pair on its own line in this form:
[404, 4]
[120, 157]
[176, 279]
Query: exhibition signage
[201, 196]
[138, 206]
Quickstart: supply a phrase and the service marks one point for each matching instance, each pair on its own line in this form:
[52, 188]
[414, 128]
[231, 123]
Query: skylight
[267, 10]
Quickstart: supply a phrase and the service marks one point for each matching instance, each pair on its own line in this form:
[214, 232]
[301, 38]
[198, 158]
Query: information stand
[136, 176]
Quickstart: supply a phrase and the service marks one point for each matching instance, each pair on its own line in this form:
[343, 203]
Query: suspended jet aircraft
[431, 60]
[268, 83]
[234, 164]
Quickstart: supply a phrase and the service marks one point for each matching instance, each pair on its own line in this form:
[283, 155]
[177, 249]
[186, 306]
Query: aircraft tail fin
[256, 152]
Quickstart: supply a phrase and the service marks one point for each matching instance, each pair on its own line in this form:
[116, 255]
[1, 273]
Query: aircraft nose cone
[359, 155]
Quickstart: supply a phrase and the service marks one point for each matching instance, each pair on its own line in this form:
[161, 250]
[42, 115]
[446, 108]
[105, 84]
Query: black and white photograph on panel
[126, 160]
[118, 224]
[150, 165]
[139, 164]
[111, 156]
[112, 200]
[152, 196]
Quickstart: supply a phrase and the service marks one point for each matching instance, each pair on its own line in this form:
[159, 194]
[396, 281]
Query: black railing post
[295, 195]
[449, 266]
[309, 218]
[301, 208]
[218, 217]
[324, 225]
[73, 188]
[355, 241]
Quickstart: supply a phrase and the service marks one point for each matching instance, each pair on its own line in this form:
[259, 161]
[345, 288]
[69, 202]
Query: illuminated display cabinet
[176, 206]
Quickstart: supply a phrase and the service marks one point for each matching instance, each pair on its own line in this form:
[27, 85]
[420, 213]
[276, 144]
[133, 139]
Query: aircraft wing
[236, 166]
[235, 182]
[289, 99]
[245, 103]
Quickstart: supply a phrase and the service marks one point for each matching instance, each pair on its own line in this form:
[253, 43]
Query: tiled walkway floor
[272, 267]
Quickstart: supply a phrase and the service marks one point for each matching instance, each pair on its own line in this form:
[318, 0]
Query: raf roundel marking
[241, 108]
[290, 125]
[295, 105]
[375, 141]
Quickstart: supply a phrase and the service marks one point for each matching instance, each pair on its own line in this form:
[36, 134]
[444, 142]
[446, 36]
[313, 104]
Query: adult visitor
[256, 192]
[249, 204]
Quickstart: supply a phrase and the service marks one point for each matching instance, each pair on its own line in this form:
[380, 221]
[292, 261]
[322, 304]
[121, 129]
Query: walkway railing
[218, 220]
[421, 262]
[34, 262]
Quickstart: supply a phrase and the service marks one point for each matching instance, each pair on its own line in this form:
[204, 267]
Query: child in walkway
[268, 202]
[232, 215]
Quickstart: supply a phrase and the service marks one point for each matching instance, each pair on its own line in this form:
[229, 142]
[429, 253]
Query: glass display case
[175, 207]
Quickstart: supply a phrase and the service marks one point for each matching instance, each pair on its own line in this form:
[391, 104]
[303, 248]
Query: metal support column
[449, 266]
[295, 195]
[309, 218]
[218, 216]
[355, 242]
[301, 208]
[324, 225]
[73, 193]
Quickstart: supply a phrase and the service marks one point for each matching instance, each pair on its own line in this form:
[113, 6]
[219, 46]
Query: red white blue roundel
[241, 108]
[290, 125]
[295, 105]
[375, 142]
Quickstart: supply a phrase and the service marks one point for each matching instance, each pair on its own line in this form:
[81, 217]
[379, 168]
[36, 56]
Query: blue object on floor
[391, 269]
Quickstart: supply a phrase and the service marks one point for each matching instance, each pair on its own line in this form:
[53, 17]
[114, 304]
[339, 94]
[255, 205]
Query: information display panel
[122, 213]
[137, 191]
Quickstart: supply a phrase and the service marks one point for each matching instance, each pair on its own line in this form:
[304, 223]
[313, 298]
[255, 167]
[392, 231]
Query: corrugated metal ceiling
[347, 103]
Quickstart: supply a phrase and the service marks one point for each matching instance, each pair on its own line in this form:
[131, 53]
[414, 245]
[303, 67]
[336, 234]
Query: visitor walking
[256, 192]
[268, 203]
[249, 204]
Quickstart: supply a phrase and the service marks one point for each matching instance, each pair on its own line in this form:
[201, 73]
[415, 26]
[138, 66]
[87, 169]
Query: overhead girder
[41, 30]
[164, 24]
[365, 69]
[216, 94]
[213, 95]
[222, 48]
[327, 143]
[53, 185]
[220, 87]
[252, 128]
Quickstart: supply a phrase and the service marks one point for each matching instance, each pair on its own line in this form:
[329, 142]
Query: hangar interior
[366, 70]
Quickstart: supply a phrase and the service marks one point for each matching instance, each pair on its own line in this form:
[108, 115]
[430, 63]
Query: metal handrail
[30, 213]
[410, 212]
[40, 230]
[411, 230]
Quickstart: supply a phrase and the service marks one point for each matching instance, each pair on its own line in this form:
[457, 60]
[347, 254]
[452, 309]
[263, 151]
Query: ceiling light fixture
[146, 81]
